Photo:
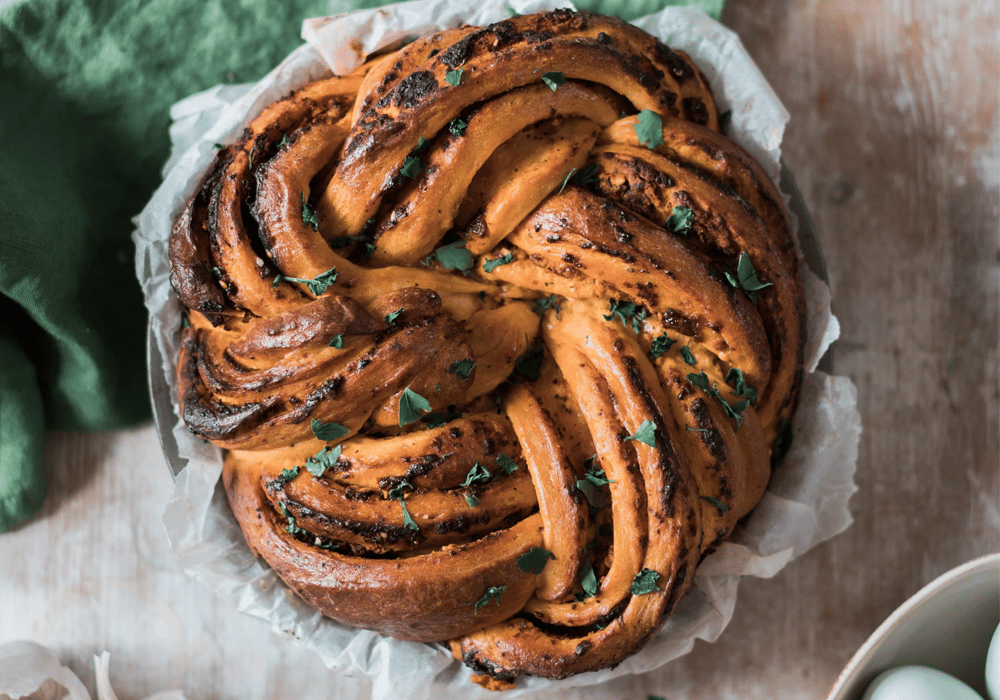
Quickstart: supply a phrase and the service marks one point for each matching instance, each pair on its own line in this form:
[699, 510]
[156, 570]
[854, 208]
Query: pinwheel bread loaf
[498, 333]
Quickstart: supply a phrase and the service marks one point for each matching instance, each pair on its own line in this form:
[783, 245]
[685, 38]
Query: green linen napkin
[86, 89]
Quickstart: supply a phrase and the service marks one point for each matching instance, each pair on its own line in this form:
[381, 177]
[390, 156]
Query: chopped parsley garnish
[746, 277]
[323, 460]
[454, 256]
[530, 363]
[661, 345]
[477, 475]
[649, 129]
[364, 239]
[680, 220]
[216, 272]
[309, 216]
[645, 582]
[471, 500]
[553, 79]
[734, 411]
[626, 310]
[411, 167]
[696, 430]
[511, 12]
[457, 127]
[185, 322]
[743, 390]
[534, 560]
[541, 305]
[493, 594]
[317, 286]
[591, 482]
[646, 433]
[396, 494]
[462, 367]
[337, 341]
[717, 503]
[283, 141]
[453, 77]
[391, 317]
[508, 465]
[566, 181]
[218, 145]
[292, 527]
[688, 355]
[588, 580]
[489, 265]
[328, 431]
[289, 474]
[411, 405]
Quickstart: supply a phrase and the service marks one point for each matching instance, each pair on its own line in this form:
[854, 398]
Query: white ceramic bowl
[947, 625]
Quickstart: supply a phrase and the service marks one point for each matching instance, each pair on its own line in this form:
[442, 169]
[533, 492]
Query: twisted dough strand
[475, 383]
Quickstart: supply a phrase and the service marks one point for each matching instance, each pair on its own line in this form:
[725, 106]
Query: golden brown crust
[596, 387]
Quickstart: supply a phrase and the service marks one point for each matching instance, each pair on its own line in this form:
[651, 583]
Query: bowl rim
[879, 636]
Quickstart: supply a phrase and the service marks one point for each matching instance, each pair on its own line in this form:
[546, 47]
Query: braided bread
[498, 334]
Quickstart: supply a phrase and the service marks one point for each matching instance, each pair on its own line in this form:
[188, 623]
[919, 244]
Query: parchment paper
[806, 501]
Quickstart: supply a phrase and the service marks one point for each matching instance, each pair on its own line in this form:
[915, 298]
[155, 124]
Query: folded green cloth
[87, 86]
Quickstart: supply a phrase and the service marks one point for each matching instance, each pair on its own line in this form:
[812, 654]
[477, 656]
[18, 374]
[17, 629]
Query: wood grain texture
[894, 143]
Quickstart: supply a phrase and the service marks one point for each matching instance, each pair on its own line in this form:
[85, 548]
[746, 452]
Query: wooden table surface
[894, 142]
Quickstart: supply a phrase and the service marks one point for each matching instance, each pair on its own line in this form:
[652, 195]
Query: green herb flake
[185, 322]
[566, 181]
[539, 306]
[646, 434]
[688, 355]
[553, 79]
[411, 167]
[218, 145]
[734, 411]
[511, 12]
[477, 475]
[457, 127]
[363, 239]
[317, 285]
[680, 220]
[323, 460]
[292, 527]
[462, 367]
[645, 582]
[649, 129]
[591, 483]
[453, 77]
[742, 389]
[490, 265]
[471, 500]
[492, 594]
[328, 431]
[411, 404]
[289, 474]
[508, 465]
[534, 560]
[283, 141]
[661, 345]
[391, 317]
[337, 341]
[216, 272]
[696, 430]
[723, 508]
[454, 256]
[396, 494]
[588, 580]
[309, 216]
[530, 363]
[627, 311]
[746, 277]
